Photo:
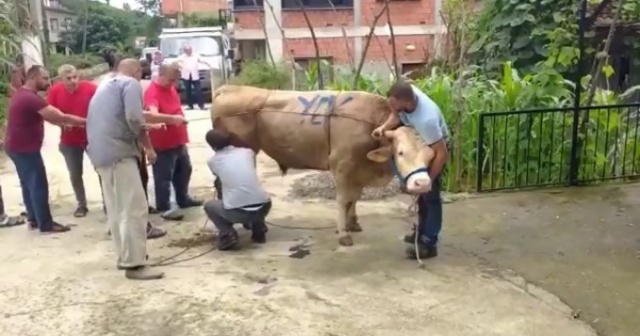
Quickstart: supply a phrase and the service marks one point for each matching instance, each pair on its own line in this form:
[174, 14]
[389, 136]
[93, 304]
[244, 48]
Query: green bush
[79, 61]
[517, 149]
[263, 74]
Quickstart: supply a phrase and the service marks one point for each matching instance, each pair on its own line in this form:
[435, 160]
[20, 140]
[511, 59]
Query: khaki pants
[127, 211]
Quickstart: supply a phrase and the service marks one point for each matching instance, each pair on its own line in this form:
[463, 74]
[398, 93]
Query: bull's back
[234, 108]
[298, 129]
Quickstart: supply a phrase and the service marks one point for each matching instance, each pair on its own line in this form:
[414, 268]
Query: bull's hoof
[345, 241]
[354, 227]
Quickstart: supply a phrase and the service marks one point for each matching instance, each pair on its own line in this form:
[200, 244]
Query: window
[316, 4]
[248, 4]
[205, 46]
[53, 24]
[67, 23]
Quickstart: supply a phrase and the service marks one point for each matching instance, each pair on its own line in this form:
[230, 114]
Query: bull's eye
[400, 153]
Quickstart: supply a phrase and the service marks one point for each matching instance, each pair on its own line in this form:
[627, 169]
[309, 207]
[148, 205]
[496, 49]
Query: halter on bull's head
[408, 155]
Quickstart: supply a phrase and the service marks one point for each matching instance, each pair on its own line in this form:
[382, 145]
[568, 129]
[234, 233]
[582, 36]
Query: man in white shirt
[244, 201]
[188, 62]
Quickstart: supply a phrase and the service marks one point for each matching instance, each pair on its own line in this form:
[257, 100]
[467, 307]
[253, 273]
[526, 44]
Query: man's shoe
[227, 241]
[424, 251]
[411, 238]
[143, 273]
[191, 203]
[81, 211]
[153, 211]
[154, 232]
[259, 237]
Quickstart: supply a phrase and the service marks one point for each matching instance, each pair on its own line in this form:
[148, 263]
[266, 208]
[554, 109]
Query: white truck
[212, 44]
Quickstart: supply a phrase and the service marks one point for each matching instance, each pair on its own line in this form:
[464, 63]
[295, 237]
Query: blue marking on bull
[318, 101]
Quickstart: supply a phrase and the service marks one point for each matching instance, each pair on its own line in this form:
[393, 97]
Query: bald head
[168, 74]
[130, 67]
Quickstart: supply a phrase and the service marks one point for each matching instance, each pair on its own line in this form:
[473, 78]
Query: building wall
[417, 28]
[210, 7]
[58, 22]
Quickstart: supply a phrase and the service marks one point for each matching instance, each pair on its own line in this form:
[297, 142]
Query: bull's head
[411, 158]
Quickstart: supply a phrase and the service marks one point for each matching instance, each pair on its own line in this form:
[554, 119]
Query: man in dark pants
[23, 142]
[72, 96]
[244, 200]
[173, 164]
[190, 76]
[411, 107]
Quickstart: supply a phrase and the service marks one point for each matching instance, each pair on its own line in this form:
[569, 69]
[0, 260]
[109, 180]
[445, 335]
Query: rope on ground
[166, 261]
[413, 209]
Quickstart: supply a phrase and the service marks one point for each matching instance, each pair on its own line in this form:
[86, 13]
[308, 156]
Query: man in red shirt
[23, 141]
[71, 96]
[173, 165]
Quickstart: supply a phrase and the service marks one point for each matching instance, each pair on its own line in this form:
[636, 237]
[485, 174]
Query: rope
[413, 209]
[167, 262]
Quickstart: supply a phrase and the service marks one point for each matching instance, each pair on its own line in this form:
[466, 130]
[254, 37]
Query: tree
[102, 30]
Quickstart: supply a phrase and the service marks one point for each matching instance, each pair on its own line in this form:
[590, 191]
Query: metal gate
[557, 147]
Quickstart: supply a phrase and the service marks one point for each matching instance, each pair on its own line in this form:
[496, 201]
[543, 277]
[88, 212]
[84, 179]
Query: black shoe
[191, 203]
[424, 251]
[153, 211]
[259, 237]
[227, 241]
[411, 238]
[81, 211]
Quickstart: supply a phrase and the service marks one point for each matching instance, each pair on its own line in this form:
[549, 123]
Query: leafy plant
[260, 73]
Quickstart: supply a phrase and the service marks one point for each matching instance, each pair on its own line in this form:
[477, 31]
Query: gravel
[322, 185]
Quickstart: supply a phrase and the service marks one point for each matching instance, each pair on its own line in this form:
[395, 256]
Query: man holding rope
[411, 107]
[115, 132]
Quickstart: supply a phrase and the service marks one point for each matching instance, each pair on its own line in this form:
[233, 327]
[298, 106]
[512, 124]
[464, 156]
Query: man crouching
[243, 199]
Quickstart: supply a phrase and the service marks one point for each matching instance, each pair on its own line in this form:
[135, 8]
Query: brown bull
[324, 130]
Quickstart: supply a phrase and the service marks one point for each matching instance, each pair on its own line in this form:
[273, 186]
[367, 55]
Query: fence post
[479, 152]
[573, 156]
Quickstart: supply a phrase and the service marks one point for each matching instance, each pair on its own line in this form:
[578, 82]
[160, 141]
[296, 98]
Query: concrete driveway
[67, 284]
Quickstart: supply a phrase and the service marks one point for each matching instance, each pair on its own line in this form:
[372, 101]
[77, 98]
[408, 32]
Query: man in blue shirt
[411, 107]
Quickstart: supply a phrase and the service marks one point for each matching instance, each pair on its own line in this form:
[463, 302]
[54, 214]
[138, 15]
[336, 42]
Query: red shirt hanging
[167, 101]
[75, 103]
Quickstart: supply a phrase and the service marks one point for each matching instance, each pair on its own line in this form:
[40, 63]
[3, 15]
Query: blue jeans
[430, 214]
[172, 167]
[35, 187]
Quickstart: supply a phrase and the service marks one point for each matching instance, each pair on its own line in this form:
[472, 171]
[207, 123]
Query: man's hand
[151, 156]
[149, 127]
[177, 120]
[68, 127]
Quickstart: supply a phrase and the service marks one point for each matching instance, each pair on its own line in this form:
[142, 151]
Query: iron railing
[555, 147]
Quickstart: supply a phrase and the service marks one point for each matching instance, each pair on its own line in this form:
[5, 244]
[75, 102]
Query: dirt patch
[323, 185]
[198, 239]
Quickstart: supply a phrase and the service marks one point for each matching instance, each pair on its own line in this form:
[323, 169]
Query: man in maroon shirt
[71, 96]
[23, 141]
[173, 165]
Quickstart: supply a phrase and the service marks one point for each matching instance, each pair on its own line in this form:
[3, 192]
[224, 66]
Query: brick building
[417, 28]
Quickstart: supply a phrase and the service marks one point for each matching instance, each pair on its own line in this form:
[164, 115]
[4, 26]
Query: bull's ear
[381, 154]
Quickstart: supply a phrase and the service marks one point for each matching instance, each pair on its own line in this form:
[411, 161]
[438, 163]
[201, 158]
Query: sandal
[9, 221]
